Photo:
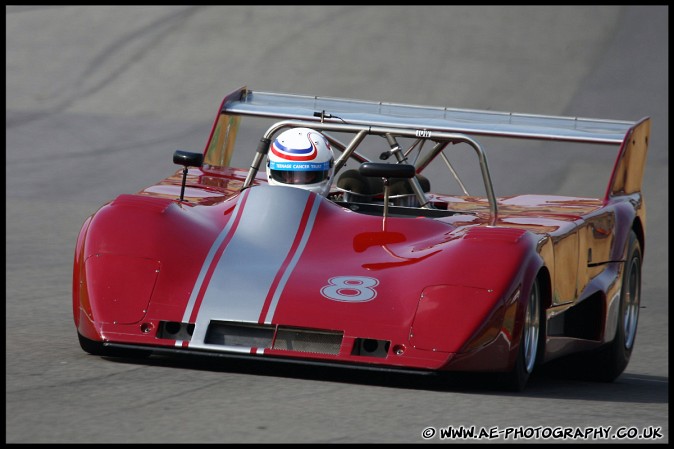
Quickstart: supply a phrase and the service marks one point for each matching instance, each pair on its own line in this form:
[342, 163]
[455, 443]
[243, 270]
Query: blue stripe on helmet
[285, 149]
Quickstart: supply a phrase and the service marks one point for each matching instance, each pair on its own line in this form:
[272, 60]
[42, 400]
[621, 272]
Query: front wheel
[531, 342]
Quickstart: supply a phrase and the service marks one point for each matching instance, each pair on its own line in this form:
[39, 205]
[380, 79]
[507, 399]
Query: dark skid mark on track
[160, 28]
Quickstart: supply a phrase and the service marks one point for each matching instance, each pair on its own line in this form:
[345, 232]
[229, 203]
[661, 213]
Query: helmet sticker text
[350, 288]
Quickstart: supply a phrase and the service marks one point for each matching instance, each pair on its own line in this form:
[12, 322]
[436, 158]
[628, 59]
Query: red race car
[337, 247]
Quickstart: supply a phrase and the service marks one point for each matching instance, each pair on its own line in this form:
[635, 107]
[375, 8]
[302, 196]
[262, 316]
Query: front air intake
[306, 340]
[252, 335]
[239, 334]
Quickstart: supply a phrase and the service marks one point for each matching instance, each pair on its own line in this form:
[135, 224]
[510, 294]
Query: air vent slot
[253, 335]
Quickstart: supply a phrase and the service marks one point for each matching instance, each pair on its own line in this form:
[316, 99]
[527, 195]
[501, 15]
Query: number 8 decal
[350, 288]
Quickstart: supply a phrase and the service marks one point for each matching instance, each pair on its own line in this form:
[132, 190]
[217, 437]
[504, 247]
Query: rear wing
[632, 137]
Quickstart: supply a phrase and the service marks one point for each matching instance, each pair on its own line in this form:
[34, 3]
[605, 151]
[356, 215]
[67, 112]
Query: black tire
[532, 342]
[97, 348]
[611, 360]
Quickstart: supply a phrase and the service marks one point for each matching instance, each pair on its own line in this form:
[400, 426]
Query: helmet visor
[299, 177]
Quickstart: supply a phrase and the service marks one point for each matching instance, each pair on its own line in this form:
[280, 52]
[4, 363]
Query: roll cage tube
[361, 131]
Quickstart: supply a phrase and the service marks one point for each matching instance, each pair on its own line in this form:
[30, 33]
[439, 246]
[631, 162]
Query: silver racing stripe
[211, 254]
[245, 272]
[291, 266]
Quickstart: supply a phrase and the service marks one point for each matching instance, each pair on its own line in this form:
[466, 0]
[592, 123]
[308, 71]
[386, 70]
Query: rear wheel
[612, 360]
[531, 342]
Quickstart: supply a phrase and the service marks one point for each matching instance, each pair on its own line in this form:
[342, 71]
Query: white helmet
[301, 157]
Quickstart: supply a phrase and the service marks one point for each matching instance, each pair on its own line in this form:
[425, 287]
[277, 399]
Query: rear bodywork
[230, 266]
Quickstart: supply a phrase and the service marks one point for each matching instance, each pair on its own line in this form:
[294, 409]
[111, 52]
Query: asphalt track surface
[98, 99]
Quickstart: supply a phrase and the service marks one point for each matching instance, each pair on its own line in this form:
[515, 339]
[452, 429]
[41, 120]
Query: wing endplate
[628, 171]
